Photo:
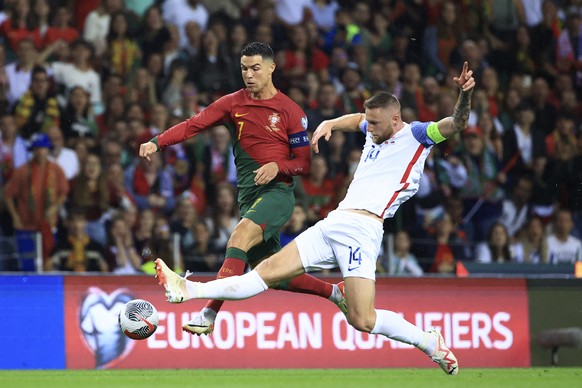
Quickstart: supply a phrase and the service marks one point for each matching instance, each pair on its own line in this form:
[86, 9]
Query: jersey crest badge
[274, 119]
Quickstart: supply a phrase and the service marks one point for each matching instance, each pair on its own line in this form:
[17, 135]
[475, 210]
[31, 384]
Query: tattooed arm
[458, 121]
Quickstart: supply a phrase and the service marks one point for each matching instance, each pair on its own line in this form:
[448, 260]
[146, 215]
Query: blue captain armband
[299, 139]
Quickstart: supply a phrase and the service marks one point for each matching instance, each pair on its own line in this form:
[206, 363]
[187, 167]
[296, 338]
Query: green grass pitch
[278, 378]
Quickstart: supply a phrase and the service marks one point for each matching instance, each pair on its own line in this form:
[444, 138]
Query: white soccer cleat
[342, 304]
[174, 284]
[443, 356]
[199, 325]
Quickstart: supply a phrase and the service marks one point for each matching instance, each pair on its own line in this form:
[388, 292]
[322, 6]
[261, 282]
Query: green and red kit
[262, 131]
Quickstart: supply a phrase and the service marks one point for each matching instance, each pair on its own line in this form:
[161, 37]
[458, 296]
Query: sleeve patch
[304, 122]
[298, 139]
[420, 132]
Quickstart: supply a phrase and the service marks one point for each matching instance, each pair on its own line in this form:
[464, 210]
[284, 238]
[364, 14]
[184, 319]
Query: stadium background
[521, 62]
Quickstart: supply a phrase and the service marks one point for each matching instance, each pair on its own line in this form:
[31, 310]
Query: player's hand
[266, 173]
[465, 81]
[147, 149]
[323, 130]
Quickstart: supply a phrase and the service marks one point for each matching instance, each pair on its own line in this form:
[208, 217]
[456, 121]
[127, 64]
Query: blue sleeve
[419, 132]
[364, 126]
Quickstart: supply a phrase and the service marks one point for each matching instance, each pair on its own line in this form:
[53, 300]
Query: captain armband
[432, 131]
[299, 139]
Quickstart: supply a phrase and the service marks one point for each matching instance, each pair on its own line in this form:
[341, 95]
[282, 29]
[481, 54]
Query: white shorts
[344, 239]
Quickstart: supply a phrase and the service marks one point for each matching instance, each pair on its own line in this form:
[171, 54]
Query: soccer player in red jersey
[266, 127]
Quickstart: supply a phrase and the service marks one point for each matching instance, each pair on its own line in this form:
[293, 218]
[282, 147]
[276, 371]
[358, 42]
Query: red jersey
[262, 131]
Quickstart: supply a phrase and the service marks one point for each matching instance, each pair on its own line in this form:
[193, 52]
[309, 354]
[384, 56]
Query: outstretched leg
[363, 316]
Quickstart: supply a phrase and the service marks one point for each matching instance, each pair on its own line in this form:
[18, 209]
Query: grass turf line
[320, 378]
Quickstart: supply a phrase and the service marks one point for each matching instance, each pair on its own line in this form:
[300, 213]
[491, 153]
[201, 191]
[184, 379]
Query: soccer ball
[138, 319]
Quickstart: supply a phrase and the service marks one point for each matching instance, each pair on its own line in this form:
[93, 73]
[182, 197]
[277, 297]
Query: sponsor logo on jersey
[274, 119]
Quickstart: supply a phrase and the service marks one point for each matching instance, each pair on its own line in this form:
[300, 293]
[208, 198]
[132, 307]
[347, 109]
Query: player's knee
[245, 236]
[360, 322]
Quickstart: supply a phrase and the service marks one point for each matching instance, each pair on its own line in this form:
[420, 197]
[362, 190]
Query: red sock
[230, 267]
[307, 284]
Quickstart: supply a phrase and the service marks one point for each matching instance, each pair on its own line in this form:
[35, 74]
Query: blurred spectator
[561, 143]
[37, 109]
[533, 241]
[291, 12]
[79, 73]
[326, 106]
[411, 94]
[19, 72]
[544, 35]
[440, 179]
[18, 26]
[402, 261]
[442, 40]
[296, 224]
[143, 90]
[172, 95]
[224, 216]
[544, 194]
[13, 152]
[153, 33]
[144, 232]
[515, 209]
[302, 56]
[150, 184]
[204, 255]
[321, 190]
[122, 54]
[162, 243]
[442, 248]
[119, 197]
[78, 120]
[568, 53]
[65, 157]
[61, 28]
[180, 12]
[323, 13]
[523, 143]
[392, 78]
[481, 194]
[125, 257]
[380, 38]
[428, 104]
[78, 252]
[211, 69]
[39, 21]
[545, 112]
[218, 160]
[34, 194]
[97, 24]
[498, 247]
[354, 94]
[90, 193]
[182, 223]
[562, 246]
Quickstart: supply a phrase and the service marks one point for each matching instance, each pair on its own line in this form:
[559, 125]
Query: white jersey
[388, 174]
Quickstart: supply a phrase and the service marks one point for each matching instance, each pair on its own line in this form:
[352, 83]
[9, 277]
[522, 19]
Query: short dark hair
[38, 69]
[258, 48]
[382, 100]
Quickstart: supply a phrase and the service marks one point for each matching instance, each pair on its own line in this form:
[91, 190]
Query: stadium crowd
[84, 83]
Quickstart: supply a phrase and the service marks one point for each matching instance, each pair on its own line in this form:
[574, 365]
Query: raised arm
[458, 121]
[346, 123]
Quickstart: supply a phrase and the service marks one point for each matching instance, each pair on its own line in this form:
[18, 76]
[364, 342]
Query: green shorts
[271, 209]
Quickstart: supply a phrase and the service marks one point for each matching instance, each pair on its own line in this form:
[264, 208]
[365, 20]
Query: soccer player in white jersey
[349, 238]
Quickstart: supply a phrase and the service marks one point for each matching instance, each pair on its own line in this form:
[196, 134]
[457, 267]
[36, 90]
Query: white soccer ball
[138, 319]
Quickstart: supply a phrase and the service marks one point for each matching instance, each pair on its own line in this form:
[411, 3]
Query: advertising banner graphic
[484, 321]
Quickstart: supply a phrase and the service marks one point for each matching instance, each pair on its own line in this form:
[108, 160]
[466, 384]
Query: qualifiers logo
[99, 324]
[274, 119]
